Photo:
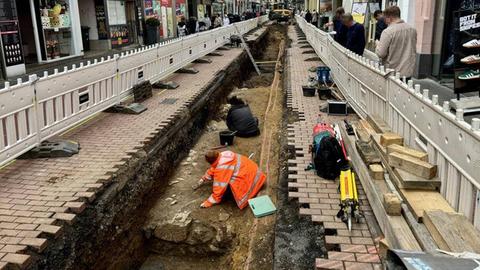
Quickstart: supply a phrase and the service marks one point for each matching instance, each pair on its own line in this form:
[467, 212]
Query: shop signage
[358, 12]
[101, 19]
[10, 34]
[469, 22]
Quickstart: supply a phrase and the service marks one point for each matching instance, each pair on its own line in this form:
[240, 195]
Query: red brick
[28, 234]
[358, 266]
[325, 264]
[320, 218]
[331, 239]
[8, 225]
[292, 194]
[38, 243]
[8, 232]
[308, 211]
[368, 258]
[349, 233]
[21, 260]
[13, 248]
[320, 206]
[308, 200]
[9, 240]
[50, 229]
[372, 249]
[362, 241]
[353, 248]
[334, 225]
[341, 256]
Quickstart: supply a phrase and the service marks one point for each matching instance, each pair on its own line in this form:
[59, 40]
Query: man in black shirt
[380, 25]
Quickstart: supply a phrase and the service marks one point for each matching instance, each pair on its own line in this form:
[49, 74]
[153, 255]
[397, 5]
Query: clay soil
[253, 241]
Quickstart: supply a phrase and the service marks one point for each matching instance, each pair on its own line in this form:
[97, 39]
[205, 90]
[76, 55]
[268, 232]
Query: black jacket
[356, 38]
[380, 26]
[241, 119]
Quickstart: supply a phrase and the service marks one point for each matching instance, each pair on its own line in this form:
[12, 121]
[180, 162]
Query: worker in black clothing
[241, 119]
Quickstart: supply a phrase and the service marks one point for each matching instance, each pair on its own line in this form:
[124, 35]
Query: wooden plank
[376, 171]
[390, 138]
[401, 178]
[367, 153]
[411, 181]
[362, 134]
[395, 228]
[392, 204]
[452, 231]
[407, 151]
[419, 201]
[378, 124]
[418, 229]
[412, 165]
[367, 127]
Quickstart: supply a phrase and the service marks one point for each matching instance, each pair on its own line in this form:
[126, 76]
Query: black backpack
[328, 158]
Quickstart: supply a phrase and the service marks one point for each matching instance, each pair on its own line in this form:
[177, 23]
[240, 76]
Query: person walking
[218, 21]
[380, 25]
[231, 173]
[226, 20]
[315, 18]
[308, 16]
[340, 29]
[397, 45]
[355, 35]
[192, 25]
[182, 28]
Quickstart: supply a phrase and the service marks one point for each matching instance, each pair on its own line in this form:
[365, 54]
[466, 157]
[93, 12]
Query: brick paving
[39, 197]
[318, 197]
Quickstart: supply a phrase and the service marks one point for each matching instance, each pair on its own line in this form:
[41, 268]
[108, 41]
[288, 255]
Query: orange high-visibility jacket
[241, 173]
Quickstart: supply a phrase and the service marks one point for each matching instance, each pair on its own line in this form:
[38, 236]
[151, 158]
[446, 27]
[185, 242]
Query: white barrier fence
[33, 111]
[451, 143]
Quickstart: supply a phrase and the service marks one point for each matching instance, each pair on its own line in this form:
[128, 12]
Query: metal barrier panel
[43, 107]
[68, 97]
[451, 143]
[18, 127]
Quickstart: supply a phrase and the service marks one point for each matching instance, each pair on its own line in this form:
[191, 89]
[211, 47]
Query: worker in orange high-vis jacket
[232, 171]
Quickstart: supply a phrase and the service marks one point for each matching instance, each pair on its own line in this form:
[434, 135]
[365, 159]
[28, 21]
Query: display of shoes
[470, 75]
[471, 59]
[474, 43]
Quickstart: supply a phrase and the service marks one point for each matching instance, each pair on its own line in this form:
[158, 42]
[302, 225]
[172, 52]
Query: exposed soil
[253, 239]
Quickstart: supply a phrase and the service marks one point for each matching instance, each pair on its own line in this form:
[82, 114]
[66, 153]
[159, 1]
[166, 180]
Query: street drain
[169, 101]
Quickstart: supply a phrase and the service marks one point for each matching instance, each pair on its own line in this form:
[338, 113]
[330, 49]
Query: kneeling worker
[241, 119]
[231, 172]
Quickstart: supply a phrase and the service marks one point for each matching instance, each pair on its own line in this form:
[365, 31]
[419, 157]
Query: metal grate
[169, 101]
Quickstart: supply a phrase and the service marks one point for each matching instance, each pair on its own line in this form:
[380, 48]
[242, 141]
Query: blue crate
[323, 75]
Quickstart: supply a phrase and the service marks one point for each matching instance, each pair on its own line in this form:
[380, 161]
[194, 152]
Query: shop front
[122, 22]
[12, 58]
[51, 30]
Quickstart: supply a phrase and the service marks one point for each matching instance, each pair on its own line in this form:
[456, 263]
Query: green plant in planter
[152, 22]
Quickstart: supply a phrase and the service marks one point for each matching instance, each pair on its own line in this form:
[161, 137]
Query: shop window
[56, 28]
[120, 30]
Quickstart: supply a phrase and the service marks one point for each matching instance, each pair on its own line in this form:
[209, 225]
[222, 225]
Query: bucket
[324, 92]
[308, 91]
[323, 74]
[226, 137]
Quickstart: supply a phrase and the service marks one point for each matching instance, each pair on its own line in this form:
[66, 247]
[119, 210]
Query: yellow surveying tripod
[349, 206]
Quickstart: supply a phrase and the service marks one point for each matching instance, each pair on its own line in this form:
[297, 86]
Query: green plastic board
[262, 206]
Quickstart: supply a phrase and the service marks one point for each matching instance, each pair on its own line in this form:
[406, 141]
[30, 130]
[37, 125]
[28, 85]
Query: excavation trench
[180, 234]
[118, 230]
